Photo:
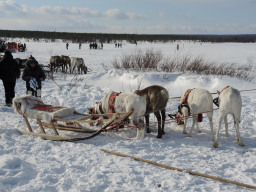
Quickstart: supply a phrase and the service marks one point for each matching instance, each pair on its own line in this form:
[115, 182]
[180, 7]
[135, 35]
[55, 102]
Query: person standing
[80, 45]
[9, 72]
[67, 45]
[33, 75]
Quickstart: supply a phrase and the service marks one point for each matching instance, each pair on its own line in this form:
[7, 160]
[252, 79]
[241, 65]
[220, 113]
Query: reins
[214, 93]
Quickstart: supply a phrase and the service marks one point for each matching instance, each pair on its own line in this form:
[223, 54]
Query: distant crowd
[118, 45]
[96, 45]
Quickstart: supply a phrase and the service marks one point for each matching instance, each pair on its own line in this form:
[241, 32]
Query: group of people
[96, 46]
[9, 71]
[118, 45]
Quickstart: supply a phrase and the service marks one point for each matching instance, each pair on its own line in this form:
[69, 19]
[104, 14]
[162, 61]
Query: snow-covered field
[29, 163]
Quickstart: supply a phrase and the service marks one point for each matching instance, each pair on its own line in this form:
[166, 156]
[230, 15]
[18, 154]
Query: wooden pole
[40, 125]
[28, 124]
[180, 170]
[54, 128]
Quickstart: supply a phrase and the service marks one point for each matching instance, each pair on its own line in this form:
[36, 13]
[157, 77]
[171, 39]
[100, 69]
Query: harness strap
[185, 101]
[111, 102]
[216, 100]
[224, 89]
[185, 98]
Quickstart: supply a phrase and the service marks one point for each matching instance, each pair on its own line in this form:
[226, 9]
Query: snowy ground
[28, 163]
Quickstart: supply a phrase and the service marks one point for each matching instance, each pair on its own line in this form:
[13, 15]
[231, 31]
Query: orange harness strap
[111, 102]
[185, 98]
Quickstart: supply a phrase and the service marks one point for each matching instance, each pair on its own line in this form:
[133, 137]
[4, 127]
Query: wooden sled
[71, 122]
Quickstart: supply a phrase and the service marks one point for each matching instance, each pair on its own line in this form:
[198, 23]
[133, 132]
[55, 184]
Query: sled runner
[60, 118]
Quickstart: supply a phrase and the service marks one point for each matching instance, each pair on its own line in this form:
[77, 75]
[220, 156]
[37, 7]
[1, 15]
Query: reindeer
[55, 63]
[193, 103]
[230, 102]
[66, 62]
[123, 102]
[78, 63]
[157, 98]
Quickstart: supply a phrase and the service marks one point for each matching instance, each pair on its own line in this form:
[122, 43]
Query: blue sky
[131, 16]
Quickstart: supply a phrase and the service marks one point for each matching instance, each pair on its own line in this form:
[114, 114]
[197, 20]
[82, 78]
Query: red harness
[111, 102]
[185, 98]
[224, 89]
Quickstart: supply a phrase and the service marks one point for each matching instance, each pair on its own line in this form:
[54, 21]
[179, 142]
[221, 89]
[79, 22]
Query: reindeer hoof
[199, 131]
[163, 133]
[215, 145]
[148, 131]
[184, 132]
[241, 144]
[159, 136]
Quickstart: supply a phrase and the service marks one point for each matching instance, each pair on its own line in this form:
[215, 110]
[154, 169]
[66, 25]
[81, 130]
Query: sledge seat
[34, 108]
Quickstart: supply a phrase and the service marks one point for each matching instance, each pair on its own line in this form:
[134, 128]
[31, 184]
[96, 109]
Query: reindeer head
[216, 101]
[84, 68]
[183, 111]
[95, 110]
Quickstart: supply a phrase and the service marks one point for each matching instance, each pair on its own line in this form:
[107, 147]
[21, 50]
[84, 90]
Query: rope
[181, 170]
[214, 93]
[171, 119]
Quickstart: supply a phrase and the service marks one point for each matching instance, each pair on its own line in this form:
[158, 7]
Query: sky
[131, 16]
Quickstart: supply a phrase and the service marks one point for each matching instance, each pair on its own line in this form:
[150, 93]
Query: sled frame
[74, 125]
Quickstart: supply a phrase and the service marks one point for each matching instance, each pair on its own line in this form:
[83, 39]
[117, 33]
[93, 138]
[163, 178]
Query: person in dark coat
[33, 73]
[9, 71]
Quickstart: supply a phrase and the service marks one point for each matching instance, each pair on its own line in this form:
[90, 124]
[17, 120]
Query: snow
[30, 163]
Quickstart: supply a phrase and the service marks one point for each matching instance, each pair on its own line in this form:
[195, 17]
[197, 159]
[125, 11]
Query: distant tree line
[133, 38]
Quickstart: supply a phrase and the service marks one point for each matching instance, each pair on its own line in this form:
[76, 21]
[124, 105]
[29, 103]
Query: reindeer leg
[184, 126]
[240, 141]
[193, 125]
[197, 128]
[226, 124]
[163, 120]
[215, 143]
[158, 116]
[147, 123]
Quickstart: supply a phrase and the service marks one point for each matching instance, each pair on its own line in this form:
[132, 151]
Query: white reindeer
[230, 102]
[125, 102]
[78, 63]
[198, 101]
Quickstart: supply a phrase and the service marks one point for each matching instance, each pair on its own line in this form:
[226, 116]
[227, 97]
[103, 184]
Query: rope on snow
[180, 170]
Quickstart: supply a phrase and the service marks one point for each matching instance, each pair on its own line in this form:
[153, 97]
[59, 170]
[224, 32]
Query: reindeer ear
[90, 109]
[218, 92]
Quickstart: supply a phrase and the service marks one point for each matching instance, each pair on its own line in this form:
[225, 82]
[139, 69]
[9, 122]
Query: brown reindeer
[55, 63]
[157, 98]
[66, 62]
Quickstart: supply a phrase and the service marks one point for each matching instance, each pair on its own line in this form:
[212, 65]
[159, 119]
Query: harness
[185, 104]
[111, 102]
[216, 100]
